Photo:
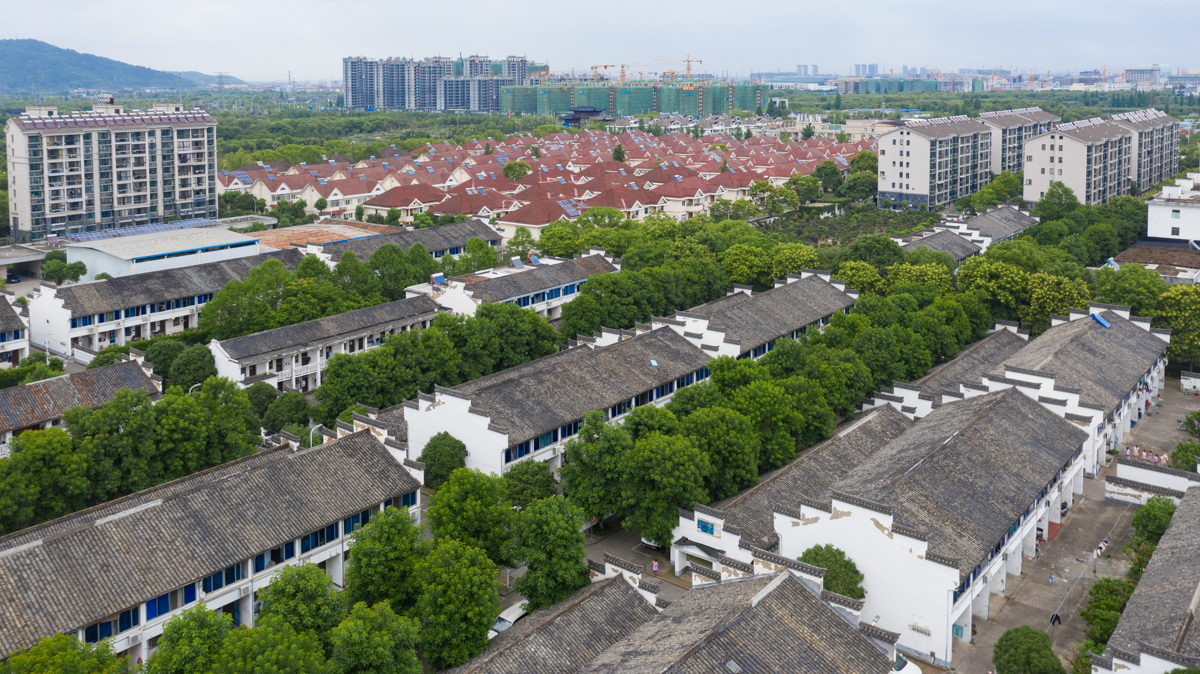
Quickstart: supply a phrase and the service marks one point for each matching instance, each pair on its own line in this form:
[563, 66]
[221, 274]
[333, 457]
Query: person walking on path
[1055, 619]
[1052, 579]
[655, 567]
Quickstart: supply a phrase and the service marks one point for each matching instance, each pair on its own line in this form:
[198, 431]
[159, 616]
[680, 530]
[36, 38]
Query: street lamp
[193, 388]
[310, 434]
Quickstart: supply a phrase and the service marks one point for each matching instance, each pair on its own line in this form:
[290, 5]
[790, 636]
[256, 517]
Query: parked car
[507, 618]
[12, 277]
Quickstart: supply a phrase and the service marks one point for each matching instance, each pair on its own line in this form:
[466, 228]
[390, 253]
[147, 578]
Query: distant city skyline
[256, 42]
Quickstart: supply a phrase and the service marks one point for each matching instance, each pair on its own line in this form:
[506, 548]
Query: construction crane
[596, 71]
[686, 59]
[634, 65]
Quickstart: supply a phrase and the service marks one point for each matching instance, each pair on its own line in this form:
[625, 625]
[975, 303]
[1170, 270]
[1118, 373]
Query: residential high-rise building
[802, 71]
[429, 72]
[475, 94]
[815, 71]
[931, 162]
[396, 76]
[1155, 146]
[1010, 130]
[477, 66]
[362, 79]
[1100, 160]
[873, 70]
[1092, 157]
[515, 68]
[108, 168]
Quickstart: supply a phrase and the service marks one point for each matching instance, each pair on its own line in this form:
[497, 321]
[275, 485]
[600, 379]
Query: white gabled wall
[449, 414]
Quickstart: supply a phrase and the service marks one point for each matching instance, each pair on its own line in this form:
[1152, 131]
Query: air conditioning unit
[135, 639]
[244, 592]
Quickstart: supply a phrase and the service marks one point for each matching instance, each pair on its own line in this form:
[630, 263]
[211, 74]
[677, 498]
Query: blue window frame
[523, 301]
[94, 633]
[158, 606]
[546, 440]
[189, 593]
[214, 582]
[409, 500]
[129, 619]
[356, 521]
[702, 374]
[513, 453]
[554, 293]
[260, 562]
[568, 290]
[289, 550]
[569, 430]
[706, 527]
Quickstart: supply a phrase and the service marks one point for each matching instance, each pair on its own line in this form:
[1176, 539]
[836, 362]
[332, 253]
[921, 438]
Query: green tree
[192, 366]
[355, 276]
[548, 535]
[108, 355]
[1024, 650]
[162, 354]
[747, 265]
[1133, 286]
[458, 604]
[1051, 295]
[374, 640]
[895, 353]
[792, 258]
[860, 186]
[864, 162]
[43, 478]
[358, 212]
[1151, 520]
[515, 170]
[59, 271]
[1107, 600]
[64, 654]
[272, 646]
[934, 274]
[775, 418]
[807, 188]
[521, 244]
[830, 176]
[1101, 242]
[1186, 456]
[877, 250]
[595, 459]
[1179, 309]
[1003, 287]
[383, 561]
[290, 408]
[261, 395]
[473, 507]
[529, 481]
[807, 132]
[618, 153]
[1057, 203]
[247, 306]
[841, 573]
[304, 598]
[728, 440]
[662, 474]
[190, 642]
[861, 276]
[442, 455]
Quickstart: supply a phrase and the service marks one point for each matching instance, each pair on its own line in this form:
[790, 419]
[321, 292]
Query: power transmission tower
[221, 88]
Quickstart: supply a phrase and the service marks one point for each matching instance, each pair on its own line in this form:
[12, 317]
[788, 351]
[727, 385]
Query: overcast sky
[258, 40]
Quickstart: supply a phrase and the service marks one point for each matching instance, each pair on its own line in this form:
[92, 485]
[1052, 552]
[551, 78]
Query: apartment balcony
[313, 367]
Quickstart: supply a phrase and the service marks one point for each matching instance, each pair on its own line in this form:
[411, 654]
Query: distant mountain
[62, 69]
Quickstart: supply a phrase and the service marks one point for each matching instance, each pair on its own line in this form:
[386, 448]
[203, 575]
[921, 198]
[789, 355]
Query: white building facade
[933, 162]
[1175, 212]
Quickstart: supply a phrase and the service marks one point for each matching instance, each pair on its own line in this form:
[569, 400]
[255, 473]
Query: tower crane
[596, 71]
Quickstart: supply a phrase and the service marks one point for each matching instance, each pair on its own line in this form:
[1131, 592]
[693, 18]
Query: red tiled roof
[404, 196]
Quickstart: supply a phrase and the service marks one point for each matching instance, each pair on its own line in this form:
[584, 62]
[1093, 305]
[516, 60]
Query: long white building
[1175, 212]
[14, 332]
[295, 356]
[121, 570]
[110, 167]
[77, 320]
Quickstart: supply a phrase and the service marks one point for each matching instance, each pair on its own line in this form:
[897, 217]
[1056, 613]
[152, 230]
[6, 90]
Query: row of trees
[128, 445]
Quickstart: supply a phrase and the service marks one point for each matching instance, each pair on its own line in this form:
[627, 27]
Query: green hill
[62, 69]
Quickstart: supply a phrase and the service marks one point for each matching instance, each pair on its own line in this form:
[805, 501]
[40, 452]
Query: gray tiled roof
[291, 337]
[158, 286]
[9, 319]
[1001, 223]
[809, 475]
[536, 279]
[945, 241]
[82, 568]
[968, 367]
[1159, 611]
[1105, 363]
[789, 629]
[567, 636]
[541, 395]
[442, 237]
[42, 401]
[755, 320]
[968, 471]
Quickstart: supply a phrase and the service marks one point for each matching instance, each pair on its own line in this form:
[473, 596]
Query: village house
[42, 404]
[408, 199]
[55, 581]
[14, 331]
[449, 239]
[75, 321]
[544, 285]
[293, 357]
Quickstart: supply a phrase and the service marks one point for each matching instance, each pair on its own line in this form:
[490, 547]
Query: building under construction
[634, 98]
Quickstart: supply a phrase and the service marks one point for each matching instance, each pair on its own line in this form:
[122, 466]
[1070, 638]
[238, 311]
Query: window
[409, 500]
[706, 527]
[189, 593]
[319, 537]
[1174, 231]
[569, 430]
[1043, 171]
[94, 633]
[129, 619]
[356, 521]
[1175, 214]
[513, 453]
[159, 606]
